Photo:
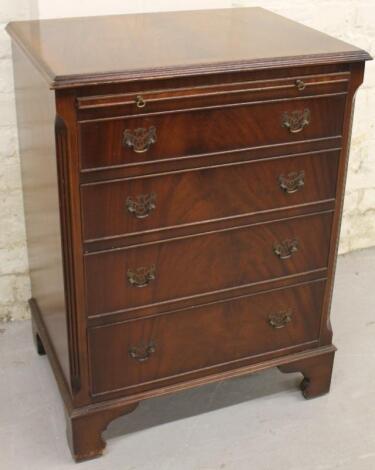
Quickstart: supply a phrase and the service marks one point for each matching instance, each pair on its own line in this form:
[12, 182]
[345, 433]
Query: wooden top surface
[77, 51]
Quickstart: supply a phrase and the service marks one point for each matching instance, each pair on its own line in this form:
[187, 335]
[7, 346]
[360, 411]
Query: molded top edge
[73, 52]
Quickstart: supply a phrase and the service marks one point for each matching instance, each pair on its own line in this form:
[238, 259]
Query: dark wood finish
[317, 373]
[209, 298]
[206, 160]
[193, 266]
[197, 339]
[219, 129]
[36, 118]
[144, 102]
[90, 444]
[36, 339]
[156, 45]
[182, 204]
[189, 197]
[84, 430]
[180, 231]
[357, 78]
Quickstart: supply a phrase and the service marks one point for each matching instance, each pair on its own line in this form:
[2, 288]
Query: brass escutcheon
[300, 84]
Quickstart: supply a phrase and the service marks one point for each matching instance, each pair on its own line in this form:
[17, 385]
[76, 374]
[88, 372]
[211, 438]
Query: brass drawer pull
[140, 139]
[141, 277]
[143, 352]
[140, 102]
[141, 205]
[292, 182]
[280, 319]
[285, 249]
[300, 84]
[296, 121]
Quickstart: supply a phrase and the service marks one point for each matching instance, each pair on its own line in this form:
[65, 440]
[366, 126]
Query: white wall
[14, 279]
[58, 8]
[351, 20]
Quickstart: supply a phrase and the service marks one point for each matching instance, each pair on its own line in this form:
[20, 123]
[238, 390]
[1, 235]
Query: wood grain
[208, 130]
[199, 338]
[317, 374]
[189, 197]
[155, 45]
[205, 263]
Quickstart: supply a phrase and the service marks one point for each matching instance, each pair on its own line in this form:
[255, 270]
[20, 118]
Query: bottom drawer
[140, 351]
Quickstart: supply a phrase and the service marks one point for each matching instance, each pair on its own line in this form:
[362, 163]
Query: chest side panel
[36, 129]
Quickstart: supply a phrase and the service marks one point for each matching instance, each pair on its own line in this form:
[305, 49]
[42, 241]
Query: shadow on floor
[157, 411]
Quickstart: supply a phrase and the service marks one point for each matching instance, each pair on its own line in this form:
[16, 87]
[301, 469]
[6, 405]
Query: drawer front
[169, 135]
[150, 203]
[142, 351]
[181, 268]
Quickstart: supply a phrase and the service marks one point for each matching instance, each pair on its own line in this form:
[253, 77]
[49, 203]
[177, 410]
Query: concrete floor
[259, 422]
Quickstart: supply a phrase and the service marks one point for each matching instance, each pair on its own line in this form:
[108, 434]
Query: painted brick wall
[14, 279]
[350, 20]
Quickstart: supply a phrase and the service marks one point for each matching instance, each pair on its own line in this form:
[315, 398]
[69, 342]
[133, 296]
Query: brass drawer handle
[280, 319]
[292, 182]
[143, 352]
[140, 139]
[285, 249]
[296, 121]
[300, 84]
[140, 102]
[141, 205]
[141, 277]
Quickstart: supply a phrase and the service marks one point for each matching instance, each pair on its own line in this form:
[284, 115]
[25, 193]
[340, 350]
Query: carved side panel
[356, 79]
[62, 151]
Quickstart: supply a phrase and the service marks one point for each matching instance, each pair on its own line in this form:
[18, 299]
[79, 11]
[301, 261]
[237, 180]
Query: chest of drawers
[183, 185]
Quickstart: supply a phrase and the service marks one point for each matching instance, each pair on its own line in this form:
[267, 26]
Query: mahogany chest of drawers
[183, 182]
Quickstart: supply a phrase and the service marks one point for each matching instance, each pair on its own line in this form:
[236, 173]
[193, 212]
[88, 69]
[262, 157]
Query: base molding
[86, 424]
[294, 361]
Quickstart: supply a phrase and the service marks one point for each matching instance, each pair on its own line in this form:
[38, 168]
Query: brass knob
[300, 84]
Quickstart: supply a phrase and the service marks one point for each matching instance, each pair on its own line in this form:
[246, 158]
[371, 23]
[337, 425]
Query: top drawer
[172, 125]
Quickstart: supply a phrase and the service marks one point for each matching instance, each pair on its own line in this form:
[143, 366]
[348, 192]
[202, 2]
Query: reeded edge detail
[67, 81]
[62, 152]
